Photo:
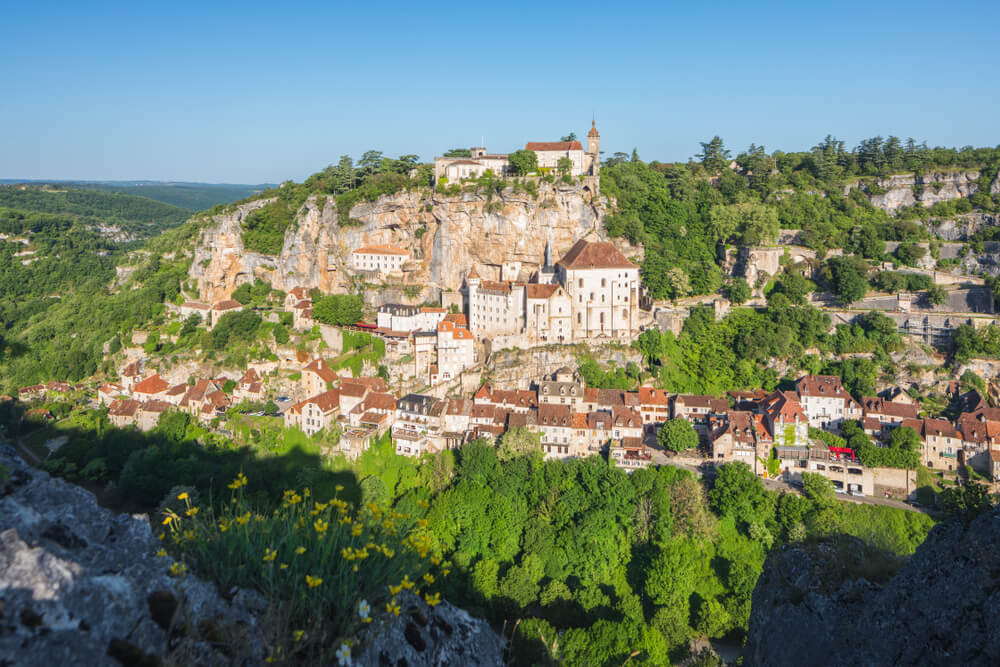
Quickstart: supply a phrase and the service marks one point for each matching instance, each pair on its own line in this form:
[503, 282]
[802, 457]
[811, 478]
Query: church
[591, 293]
[586, 163]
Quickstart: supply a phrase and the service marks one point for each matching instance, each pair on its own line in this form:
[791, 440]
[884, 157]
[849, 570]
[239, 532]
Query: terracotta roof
[593, 129]
[374, 418]
[353, 390]
[651, 396]
[880, 406]
[250, 376]
[472, 273]
[123, 408]
[553, 146]
[197, 305]
[579, 420]
[739, 424]
[457, 318]
[154, 384]
[940, 427]
[821, 385]
[595, 255]
[598, 420]
[494, 286]
[156, 406]
[626, 417]
[177, 390]
[299, 292]
[457, 332]
[383, 249]
[428, 309]
[132, 370]
[109, 387]
[534, 291]
[373, 383]
[483, 411]
[783, 406]
[322, 369]
[551, 414]
[327, 402]
[459, 406]
[227, 304]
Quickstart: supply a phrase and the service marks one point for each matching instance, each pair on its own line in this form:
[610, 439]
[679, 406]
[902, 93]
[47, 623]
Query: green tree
[242, 293]
[338, 309]
[739, 291]
[677, 435]
[518, 441]
[818, 489]
[937, 295]
[714, 156]
[564, 166]
[523, 161]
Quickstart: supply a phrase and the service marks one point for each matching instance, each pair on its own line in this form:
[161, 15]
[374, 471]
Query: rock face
[811, 608]
[446, 234]
[927, 189]
[962, 227]
[80, 585]
[440, 636]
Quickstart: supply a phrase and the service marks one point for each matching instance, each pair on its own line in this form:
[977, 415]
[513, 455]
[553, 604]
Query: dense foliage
[190, 196]
[141, 216]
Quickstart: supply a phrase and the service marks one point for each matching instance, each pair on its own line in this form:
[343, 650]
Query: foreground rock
[439, 636]
[81, 585]
[836, 603]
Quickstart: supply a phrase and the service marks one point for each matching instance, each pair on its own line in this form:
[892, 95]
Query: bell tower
[594, 148]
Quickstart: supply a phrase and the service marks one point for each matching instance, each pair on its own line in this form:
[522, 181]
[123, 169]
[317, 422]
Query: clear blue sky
[247, 92]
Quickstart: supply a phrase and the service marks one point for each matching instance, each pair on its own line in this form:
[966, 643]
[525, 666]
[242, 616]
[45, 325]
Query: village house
[995, 465]
[698, 409]
[296, 295]
[405, 319]
[380, 259]
[942, 443]
[152, 387]
[123, 412]
[558, 438]
[131, 374]
[302, 315]
[317, 377]
[825, 401]
[250, 387]
[456, 350]
[418, 424]
[785, 420]
[840, 467]
[654, 407]
[889, 414]
[630, 456]
[108, 392]
[175, 394]
[220, 308]
[457, 422]
[554, 392]
[149, 414]
[979, 436]
[189, 308]
[314, 414]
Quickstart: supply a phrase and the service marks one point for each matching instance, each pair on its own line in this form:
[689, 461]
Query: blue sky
[253, 92]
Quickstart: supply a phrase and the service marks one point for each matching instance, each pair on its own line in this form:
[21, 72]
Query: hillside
[190, 196]
[122, 217]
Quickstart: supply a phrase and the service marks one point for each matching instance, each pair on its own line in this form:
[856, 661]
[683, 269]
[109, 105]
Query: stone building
[380, 258]
[456, 350]
[825, 401]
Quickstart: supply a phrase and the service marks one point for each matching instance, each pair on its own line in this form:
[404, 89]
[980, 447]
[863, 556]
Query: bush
[677, 435]
[326, 569]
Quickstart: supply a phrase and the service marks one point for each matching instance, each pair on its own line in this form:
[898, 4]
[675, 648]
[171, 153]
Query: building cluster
[548, 153]
[209, 314]
[592, 293]
[140, 398]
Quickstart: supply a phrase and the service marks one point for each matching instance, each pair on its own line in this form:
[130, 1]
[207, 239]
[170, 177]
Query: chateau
[585, 163]
[591, 293]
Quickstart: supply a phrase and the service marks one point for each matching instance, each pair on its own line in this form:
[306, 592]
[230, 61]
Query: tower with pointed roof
[594, 148]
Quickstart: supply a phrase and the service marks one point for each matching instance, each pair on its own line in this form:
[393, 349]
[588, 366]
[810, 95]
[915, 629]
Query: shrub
[326, 569]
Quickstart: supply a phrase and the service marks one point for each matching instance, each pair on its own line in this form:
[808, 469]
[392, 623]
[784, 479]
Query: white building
[456, 350]
[825, 401]
[603, 287]
[380, 258]
[404, 319]
[314, 414]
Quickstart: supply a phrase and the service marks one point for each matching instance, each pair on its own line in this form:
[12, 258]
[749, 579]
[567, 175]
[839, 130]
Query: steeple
[594, 148]
[548, 254]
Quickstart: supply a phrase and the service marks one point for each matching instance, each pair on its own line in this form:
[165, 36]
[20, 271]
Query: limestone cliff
[834, 603]
[899, 190]
[446, 234]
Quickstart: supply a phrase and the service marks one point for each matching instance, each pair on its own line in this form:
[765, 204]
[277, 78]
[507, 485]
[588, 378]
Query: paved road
[661, 458]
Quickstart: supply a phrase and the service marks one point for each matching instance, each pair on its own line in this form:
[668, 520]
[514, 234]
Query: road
[661, 458]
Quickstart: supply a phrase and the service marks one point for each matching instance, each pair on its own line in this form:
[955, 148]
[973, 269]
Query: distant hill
[191, 196]
[133, 216]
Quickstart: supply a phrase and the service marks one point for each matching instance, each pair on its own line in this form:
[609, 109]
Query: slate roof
[595, 255]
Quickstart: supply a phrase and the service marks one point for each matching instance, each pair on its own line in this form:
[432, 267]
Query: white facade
[456, 350]
[381, 258]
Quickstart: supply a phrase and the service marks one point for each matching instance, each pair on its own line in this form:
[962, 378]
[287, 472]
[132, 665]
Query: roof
[626, 417]
[227, 304]
[459, 406]
[551, 414]
[593, 129]
[123, 408]
[373, 383]
[154, 384]
[651, 396]
[458, 319]
[494, 286]
[299, 292]
[429, 309]
[784, 406]
[156, 406]
[322, 369]
[553, 146]
[197, 305]
[108, 387]
[326, 402]
[535, 291]
[821, 385]
[880, 406]
[472, 273]
[738, 423]
[250, 376]
[579, 420]
[940, 427]
[595, 255]
[133, 369]
[457, 332]
[383, 249]
[353, 390]
[177, 390]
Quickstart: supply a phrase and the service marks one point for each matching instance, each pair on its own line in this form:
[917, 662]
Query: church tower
[594, 148]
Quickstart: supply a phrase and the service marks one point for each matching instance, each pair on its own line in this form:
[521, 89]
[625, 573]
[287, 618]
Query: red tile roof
[227, 304]
[154, 384]
[551, 414]
[821, 385]
[322, 369]
[651, 396]
[595, 255]
[593, 129]
[197, 305]
[534, 291]
[458, 319]
[123, 408]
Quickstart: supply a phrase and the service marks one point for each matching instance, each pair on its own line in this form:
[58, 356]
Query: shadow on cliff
[132, 471]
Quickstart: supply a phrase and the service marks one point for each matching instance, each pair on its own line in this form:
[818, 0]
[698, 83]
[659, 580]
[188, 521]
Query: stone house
[149, 414]
[220, 308]
[189, 308]
[825, 401]
[380, 259]
[152, 387]
[942, 444]
[131, 374]
[108, 392]
[457, 421]
[626, 423]
[654, 406]
[123, 412]
[558, 437]
[317, 377]
[785, 419]
[552, 392]
[698, 409]
[404, 319]
[548, 312]
[314, 414]
[733, 437]
[296, 295]
[631, 455]
[418, 425]
[175, 394]
[456, 350]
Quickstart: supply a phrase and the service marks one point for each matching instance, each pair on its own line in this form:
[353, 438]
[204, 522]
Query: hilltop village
[425, 374]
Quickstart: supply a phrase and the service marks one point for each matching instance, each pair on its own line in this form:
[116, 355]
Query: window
[579, 283]
[604, 282]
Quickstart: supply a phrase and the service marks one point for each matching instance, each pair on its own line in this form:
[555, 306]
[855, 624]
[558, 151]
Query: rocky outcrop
[834, 603]
[439, 636]
[962, 227]
[901, 190]
[446, 234]
[80, 585]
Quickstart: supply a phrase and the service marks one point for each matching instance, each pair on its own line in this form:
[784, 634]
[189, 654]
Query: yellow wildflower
[306, 492]
[356, 529]
[435, 560]
[189, 535]
[444, 572]
[243, 519]
[392, 607]
[270, 555]
[177, 569]
[339, 488]
[223, 525]
[182, 496]
[192, 511]
[241, 480]
[321, 526]
[394, 590]
[429, 578]
[300, 550]
[406, 583]
[432, 600]
[313, 582]
[161, 552]
[298, 635]
[422, 523]
[283, 566]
